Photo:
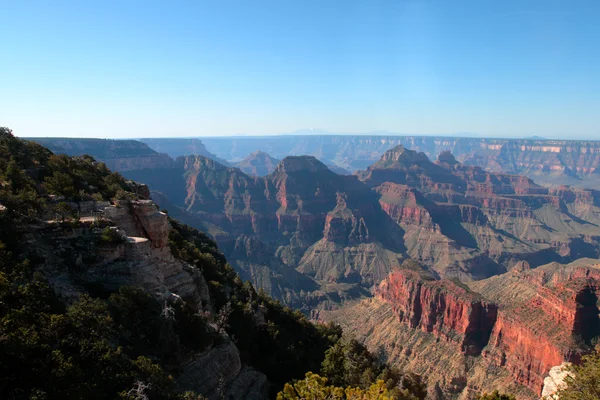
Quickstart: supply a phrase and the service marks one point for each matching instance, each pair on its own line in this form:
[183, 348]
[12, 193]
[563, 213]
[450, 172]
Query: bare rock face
[153, 223]
[555, 381]
[141, 218]
[513, 327]
[440, 307]
[218, 373]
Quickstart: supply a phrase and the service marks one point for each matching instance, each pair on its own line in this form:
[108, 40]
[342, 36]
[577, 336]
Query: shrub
[110, 235]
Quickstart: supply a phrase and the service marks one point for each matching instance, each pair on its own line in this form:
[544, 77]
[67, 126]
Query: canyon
[479, 279]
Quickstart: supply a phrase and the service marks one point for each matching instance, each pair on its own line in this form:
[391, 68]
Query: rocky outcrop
[140, 256]
[153, 223]
[440, 307]
[140, 218]
[143, 259]
[555, 381]
[218, 374]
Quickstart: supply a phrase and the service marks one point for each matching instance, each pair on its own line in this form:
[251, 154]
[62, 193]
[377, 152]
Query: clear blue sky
[173, 68]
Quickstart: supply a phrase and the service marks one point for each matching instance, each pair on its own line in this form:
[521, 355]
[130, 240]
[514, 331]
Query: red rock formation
[526, 354]
[405, 205]
[440, 307]
[536, 320]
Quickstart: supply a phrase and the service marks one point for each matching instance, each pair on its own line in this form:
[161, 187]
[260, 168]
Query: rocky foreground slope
[143, 259]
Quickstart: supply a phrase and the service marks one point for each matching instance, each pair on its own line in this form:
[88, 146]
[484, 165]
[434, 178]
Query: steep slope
[258, 163]
[504, 332]
[304, 233]
[117, 300]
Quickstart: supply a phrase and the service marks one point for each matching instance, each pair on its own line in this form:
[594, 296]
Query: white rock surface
[555, 381]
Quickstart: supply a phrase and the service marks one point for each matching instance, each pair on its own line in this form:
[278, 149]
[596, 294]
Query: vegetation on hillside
[315, 387]
[91, 349]
[496, 395]
[350, 371]
[583, 381]
[126, 344]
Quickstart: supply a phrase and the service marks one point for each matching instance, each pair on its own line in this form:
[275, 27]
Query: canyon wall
[523, 323]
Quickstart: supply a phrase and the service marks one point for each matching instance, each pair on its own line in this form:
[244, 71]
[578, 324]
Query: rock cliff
[144, 259]
[443, 308]
[524, 322]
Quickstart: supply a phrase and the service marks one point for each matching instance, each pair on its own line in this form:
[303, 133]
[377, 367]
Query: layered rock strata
[524, 322]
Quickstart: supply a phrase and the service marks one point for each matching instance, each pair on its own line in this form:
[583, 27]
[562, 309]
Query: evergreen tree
[583, 381]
